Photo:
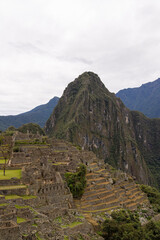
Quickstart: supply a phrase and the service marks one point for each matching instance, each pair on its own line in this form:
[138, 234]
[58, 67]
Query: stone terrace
[105, 193]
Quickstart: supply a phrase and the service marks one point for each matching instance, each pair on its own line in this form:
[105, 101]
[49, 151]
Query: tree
[6, 150]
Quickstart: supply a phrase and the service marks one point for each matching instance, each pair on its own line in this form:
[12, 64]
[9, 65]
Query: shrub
[153, 195]
[124, 225]
[16, 149]
[32, 128]
[152, 230]
[77, 181]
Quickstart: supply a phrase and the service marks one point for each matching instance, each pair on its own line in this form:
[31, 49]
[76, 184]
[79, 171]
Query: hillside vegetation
[125, 225]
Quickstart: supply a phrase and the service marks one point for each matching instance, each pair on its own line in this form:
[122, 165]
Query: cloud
[47, 44]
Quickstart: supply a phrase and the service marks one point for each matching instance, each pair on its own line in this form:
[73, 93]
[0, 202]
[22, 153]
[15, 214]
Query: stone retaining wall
[10, 182]
[20, 191]
[9, 230]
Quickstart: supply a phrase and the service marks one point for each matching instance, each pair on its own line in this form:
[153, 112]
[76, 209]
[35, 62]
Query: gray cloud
[46, 44]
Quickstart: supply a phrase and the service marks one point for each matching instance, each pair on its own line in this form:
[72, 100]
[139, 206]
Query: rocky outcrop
[89, 116]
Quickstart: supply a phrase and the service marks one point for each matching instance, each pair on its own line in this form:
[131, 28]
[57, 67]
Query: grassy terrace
[9, 197]
[10, 174]
[12, 187]
[60, 163]
[25, 206]
[20, 220]
[2, 161]
[35, 146]
[71, 225]
[3, 204]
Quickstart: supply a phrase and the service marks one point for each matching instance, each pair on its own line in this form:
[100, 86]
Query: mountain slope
[90, 116]
[37, 115]
[145, 99]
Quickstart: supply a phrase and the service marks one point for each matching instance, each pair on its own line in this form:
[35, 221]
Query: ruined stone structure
[39, 204]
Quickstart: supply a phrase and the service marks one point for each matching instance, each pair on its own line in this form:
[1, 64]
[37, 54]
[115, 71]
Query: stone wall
[18, 191]
[20, 158]
[9, 230]
[10, 182]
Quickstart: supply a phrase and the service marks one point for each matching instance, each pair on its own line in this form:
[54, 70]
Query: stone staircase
[102, 194]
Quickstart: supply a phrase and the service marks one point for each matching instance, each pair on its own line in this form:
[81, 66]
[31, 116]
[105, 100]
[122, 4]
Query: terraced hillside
[104, 193]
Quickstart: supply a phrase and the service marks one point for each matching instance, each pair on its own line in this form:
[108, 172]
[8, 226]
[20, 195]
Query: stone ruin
[42, 200]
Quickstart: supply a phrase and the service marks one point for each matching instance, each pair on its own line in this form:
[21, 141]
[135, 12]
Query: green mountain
[37, 115]
[89, 116]
[145, 99]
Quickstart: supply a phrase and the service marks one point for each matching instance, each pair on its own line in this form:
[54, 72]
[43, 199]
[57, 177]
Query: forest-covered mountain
[39, 115]
[90, 116]
[145, 99]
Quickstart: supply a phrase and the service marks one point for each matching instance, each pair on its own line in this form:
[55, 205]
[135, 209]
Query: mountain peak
[86, 83]
[89, 116]
[89, 78]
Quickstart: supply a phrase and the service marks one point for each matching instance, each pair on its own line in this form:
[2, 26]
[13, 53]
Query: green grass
[24, 197]
[58, 219]
[20, 207]
[12, 187]
[28, 197]
[81, 217]
[25, 206]
[20, 220]
[66, 237]
[36, 146]
[60, 163]
[71, 225]
[9, 197]
[3, 204]
[34, 225]
[38, 237]
[2, 161]
[10, 174]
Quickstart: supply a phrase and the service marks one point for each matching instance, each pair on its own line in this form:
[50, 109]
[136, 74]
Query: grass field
[24, 197]
[12, 187]
[20, 220]
[2, 161]
[10, 174]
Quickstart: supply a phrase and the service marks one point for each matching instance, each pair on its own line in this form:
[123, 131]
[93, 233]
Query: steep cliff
[90, 116]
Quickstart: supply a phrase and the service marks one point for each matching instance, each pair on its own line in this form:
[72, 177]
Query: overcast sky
[45, 44]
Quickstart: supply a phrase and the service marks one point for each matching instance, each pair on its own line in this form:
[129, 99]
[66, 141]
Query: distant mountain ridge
[39, 115]
[145, 99]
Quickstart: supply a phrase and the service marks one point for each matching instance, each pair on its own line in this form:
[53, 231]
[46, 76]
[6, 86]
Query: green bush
[153, 195]
[152, 230]
[77, 181]
[124, 225]
[32, 128]
[16, 149]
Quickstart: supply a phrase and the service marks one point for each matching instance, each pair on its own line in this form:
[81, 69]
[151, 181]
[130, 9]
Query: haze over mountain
[145, 99]
[90, 116]
[39, 115]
